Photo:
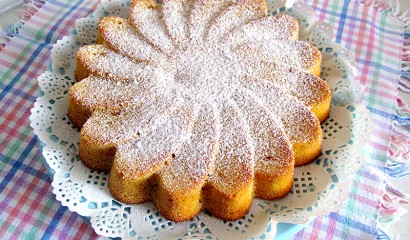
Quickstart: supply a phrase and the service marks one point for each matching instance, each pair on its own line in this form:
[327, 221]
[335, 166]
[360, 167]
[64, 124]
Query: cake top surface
[188, 78]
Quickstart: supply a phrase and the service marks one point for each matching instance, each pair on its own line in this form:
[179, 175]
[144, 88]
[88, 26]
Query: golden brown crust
[258, 5]
[178, 205]
[307, 152]
[322, 108]
[273, 187]
[77, 113]
[136, 190]
[151, 4]
[96, 156]
[81, 70]
[228, 207]
[304, 151]
[316, 67]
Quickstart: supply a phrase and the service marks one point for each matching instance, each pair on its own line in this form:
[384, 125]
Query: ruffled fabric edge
[398, 155]
[30, 8]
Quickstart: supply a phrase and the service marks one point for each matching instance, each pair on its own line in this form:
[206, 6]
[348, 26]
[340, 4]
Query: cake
[199, 105]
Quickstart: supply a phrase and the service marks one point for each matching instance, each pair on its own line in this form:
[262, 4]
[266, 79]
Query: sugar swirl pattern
[199, 105]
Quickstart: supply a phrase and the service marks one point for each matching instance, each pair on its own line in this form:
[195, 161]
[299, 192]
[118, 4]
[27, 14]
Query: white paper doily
[319, 188]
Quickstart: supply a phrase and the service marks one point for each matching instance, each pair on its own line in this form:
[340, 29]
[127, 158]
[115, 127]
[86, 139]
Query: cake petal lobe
[299, 124]
[229, 191]
[179, 191]
[146, 18]
[274, 161]
[104, 62]
[136, 162]
[118, 34]
[296, 54]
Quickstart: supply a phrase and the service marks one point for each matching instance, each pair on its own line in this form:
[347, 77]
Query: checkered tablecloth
[372, 30]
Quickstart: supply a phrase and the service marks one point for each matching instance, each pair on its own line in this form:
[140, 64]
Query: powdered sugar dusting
[156, 144]
[273, 152]
[120, 36]
[202, 79]
[203, 11]
[192, 111]
[306, 87]
[174, 13]
[132, 116]
[231, 18]
[298, 122]
[233, 168]
[278, 27]
[196, 155]
[90, 92]
[147, 19]
[102, 61]
[299, 55]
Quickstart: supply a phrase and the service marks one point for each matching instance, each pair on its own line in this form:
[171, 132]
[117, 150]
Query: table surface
[52, 217]
[12, 10]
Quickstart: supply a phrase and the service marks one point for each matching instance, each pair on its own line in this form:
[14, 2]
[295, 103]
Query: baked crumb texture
[199, 105]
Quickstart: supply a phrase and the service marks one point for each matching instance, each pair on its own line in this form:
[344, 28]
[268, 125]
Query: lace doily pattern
[319, 188]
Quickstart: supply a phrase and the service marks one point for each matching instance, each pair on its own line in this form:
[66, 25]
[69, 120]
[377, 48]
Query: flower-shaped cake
[199, 104]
